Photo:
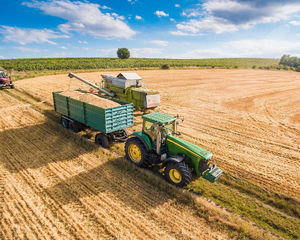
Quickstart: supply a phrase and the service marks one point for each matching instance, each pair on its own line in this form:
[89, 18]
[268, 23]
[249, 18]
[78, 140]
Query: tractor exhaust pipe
[71, 75]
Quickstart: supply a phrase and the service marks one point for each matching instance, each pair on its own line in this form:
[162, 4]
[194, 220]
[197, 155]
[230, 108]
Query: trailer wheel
[136, 152]
[102, 140]
[65, 122]
[75, 126]
[178, 174]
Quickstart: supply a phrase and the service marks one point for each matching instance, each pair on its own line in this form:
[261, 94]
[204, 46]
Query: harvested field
[249, 119]
[56, 185]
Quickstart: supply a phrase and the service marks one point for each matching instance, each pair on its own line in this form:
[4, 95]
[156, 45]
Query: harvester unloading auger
[127, 87]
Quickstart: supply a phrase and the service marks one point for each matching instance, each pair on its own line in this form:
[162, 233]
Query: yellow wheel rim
[175, 176]
[135, 153]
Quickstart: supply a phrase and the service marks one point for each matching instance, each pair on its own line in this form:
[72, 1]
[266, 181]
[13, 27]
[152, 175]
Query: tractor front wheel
[178, 174]
[136, 152]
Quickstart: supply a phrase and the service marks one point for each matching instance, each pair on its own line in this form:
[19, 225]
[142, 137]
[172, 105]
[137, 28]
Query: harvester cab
[158, 145]
[131, 88]
[5, 81]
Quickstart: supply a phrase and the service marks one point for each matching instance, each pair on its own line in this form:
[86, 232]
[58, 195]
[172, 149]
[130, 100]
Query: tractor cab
[157, 123]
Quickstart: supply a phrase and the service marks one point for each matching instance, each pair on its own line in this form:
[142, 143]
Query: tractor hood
[193, 149]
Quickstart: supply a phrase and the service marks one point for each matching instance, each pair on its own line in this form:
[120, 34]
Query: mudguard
[176, 159]
[144, 139]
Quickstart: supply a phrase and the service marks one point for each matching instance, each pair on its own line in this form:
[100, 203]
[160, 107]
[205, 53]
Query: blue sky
[163, 29]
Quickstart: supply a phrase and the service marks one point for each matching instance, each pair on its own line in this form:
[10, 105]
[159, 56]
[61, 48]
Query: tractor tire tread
[145, 156]
[185, 171]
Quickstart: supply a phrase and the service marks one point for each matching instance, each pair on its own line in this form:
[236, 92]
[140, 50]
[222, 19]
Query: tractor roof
[160, 118]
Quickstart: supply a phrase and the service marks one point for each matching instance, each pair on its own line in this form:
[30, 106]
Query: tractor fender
[176, 159]
[143, 138]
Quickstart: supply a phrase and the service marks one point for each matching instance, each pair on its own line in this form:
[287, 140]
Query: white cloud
[220, 16]
[132, 1]
[64, 47]
[246, 48]
[177, 5]
[295, 23]
[26, 35]
[25, 49]
[145, 52]
[138, 17]
[161, 13]
[85, 18]
[83, 42]
[2, 57]
[105, 7]
[193, 27]
[160, 43]
[134, 52]
[172, 20]
[109, 52]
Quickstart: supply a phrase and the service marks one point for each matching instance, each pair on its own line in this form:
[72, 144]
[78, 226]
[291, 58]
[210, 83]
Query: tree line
[290, 61]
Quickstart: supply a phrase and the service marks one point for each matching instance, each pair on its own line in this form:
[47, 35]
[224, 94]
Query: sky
[149, 28]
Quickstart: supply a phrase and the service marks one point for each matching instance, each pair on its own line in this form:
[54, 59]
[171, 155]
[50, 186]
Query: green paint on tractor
[177, 146]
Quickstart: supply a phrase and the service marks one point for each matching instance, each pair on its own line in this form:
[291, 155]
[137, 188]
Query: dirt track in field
[249, 119]
[52, 186]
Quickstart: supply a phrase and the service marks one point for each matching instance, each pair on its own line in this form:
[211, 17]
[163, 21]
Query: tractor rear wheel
[178, 174]
[136, 152]
[102, 140]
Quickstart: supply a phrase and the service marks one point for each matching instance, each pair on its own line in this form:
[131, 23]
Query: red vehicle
[5, 81]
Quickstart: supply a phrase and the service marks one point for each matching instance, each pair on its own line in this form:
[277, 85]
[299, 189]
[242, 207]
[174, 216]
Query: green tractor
[158, 145]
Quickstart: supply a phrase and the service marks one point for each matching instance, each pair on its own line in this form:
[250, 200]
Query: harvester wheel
[136, 152]
[102, 140]
[178, 174]
[65, 122]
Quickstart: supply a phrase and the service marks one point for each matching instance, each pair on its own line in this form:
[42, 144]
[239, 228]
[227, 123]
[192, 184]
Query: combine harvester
[156, 146]
[5, 81]
[128, 87]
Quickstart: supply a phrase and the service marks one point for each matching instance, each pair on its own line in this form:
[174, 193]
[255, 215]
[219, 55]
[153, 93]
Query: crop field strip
[72, 194]
[109, 63]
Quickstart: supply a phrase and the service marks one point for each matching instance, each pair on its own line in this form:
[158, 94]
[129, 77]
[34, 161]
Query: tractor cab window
[171, 127]
[151, 129]
[2, 75]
